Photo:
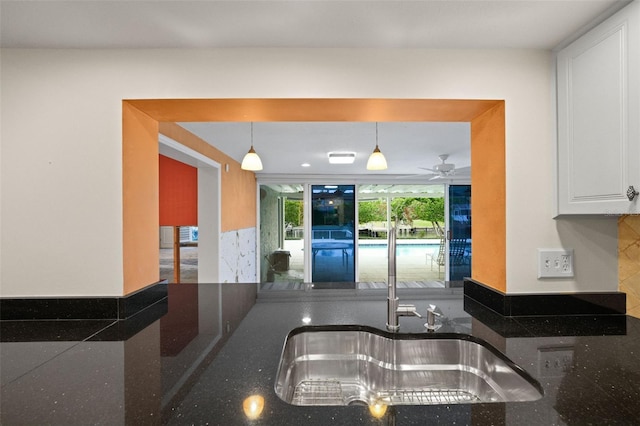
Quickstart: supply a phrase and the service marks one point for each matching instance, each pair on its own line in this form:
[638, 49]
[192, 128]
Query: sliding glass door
[418, 211]
[333, 214]
[459, 232]
[430, 248]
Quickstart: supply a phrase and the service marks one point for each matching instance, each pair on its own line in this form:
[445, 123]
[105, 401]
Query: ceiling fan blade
[427, 169]
[450, 177]
[421, 175]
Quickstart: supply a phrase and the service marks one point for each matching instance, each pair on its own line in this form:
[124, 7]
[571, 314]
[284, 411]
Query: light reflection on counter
[253, 406]
[378, 409]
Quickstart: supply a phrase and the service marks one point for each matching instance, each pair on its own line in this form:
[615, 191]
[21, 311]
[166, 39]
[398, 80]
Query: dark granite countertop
[194, 357]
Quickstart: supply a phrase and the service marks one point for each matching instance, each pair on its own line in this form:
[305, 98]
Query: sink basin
[346, 365]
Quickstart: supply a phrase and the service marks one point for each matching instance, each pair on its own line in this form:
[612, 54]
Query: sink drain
[318, 392]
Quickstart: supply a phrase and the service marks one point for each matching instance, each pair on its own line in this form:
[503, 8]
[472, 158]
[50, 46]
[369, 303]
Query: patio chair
[439, 257]
[457, 248]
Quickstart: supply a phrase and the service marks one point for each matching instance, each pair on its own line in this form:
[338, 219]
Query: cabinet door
[598, 118]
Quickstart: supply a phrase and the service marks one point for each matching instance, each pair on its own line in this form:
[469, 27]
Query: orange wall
[178, 185]
[141, 229]
[140, 178]
[174, 110]
[238, 186]
[488, 195]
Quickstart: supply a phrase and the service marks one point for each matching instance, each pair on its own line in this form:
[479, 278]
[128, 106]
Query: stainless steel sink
[345, 365]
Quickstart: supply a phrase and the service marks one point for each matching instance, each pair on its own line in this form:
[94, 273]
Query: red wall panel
[178, 193]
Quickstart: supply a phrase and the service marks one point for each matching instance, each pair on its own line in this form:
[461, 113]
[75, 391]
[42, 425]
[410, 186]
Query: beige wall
[61, 135]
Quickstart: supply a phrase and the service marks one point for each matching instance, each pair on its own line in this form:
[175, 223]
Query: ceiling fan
[443, 169]
[446, 170]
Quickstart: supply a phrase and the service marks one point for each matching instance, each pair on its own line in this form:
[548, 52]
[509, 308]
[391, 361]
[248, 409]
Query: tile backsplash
[629, 261]
[238, 256]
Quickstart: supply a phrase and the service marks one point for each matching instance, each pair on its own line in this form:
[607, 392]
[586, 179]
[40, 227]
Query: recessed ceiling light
[305, 165]
[342, 157]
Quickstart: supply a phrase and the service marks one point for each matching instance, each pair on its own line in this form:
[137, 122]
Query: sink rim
[408, 336]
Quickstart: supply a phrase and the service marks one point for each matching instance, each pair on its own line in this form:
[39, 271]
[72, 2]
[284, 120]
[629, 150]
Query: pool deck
[373, 268]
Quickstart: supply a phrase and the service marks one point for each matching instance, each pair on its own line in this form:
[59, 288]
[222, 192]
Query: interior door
[459, 235]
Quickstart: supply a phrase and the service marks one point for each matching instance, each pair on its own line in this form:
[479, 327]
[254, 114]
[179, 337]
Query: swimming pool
[401, 249]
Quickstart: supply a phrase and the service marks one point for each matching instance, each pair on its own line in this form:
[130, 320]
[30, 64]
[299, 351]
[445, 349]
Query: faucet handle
[408, 310]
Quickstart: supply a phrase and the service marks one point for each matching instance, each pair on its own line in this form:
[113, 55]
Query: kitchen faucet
[394, 308]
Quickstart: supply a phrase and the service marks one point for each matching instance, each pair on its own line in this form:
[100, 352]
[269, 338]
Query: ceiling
[439, 24]
[284, 146]
[453, 24]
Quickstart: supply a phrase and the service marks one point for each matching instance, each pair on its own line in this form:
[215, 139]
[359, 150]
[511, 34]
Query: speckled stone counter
[194, 357]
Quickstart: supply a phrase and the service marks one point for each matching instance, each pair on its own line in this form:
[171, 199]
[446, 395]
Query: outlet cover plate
[555, 263]
[555, 361]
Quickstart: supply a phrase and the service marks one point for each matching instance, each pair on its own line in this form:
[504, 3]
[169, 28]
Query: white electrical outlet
[555, 263]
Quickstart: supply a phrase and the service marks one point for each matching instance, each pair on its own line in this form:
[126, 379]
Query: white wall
[61, 146]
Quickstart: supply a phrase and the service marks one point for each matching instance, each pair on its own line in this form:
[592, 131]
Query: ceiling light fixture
[342, 157]
[251, 160]
[376, 159]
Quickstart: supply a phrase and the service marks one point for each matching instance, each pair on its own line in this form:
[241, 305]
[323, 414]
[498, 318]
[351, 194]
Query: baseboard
[78, 308]
[522, 305]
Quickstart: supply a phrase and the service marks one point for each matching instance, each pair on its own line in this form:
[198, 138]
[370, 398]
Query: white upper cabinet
[599, 118]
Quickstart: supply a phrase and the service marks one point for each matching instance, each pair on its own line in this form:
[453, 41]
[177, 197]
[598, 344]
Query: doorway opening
[189, 215]
[143, 119]
[282, 235]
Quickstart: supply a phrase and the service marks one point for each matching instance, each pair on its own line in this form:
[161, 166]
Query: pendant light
[251, 160]
[376, 159]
